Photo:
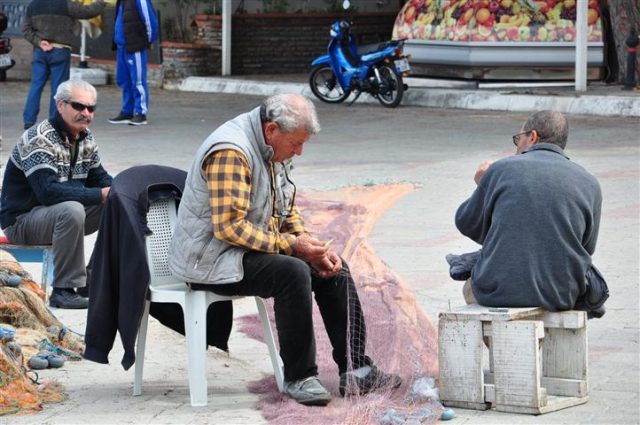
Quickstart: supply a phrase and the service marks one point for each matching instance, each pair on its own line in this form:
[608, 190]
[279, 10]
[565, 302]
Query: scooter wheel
[325, 86]
[392, 89]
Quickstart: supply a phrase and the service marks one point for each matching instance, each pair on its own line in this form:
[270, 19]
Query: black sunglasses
[81, 106]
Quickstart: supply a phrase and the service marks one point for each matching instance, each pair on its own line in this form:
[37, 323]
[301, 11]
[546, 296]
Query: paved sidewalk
[599, 99]
[437, 151]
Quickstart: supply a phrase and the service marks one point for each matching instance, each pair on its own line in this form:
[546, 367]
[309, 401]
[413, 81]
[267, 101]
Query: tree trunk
[625, 15]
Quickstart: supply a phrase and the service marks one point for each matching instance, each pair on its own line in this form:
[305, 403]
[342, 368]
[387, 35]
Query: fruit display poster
[495, 20]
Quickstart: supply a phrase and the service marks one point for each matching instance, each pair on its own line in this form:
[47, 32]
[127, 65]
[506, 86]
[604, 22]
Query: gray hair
[65, 89]
[551, 126]
[291, 112]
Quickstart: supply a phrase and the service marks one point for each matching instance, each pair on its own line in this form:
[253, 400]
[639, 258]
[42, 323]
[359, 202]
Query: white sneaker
[308, 391]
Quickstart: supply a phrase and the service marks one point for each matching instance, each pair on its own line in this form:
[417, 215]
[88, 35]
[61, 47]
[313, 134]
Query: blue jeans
[55, 64]
[292, 283]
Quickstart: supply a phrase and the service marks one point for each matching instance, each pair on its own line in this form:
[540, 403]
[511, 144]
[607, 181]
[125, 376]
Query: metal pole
[83, 47]
[226, 37]
[582, 7]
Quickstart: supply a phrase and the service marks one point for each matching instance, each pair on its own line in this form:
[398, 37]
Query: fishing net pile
[400, 336]
[26, 327]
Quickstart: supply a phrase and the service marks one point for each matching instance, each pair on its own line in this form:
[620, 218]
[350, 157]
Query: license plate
[5, 60]
[402, 65]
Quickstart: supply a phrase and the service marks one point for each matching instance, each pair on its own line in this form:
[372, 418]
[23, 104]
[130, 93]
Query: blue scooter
[344, 69]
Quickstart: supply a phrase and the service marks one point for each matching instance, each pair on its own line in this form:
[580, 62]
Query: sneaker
[121, 119]
[308, 391]
[351, 383]
[67, 298]
[138, 119]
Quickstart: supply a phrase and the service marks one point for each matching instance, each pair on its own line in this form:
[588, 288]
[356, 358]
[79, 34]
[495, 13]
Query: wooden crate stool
[537, 359]
[32, 254]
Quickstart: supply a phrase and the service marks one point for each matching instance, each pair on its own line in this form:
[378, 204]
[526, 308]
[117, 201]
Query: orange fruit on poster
[482, 15]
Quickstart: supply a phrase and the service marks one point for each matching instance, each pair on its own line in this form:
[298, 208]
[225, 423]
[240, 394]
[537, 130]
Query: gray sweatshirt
[537, 217]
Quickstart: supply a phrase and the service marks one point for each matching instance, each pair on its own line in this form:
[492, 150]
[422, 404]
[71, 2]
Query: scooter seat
[375, 47]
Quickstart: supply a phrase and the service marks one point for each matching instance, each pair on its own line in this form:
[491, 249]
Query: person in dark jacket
[136, 28]
[54, 187]
[536, 215]
[49, 27]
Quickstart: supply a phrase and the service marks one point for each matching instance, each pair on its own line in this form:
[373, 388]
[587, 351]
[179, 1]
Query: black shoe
[67, 298]
[138, 119]
[351, 384]
[27, 126]
[121, 119]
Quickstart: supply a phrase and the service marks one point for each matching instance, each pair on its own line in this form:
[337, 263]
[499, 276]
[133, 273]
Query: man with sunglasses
[239, 232]
[537, 216]
[54, 187]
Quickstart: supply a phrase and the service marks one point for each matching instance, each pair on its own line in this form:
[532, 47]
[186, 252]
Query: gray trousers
[64, 226]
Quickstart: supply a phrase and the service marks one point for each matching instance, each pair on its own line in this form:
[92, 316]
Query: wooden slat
[460, 352]
[565, 353]
[572, 319]
[565, 387]
[553, 403]
[554, 386]
[478, 312]
[516, 354]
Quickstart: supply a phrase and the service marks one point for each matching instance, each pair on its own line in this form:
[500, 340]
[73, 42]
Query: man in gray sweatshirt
[536, 215]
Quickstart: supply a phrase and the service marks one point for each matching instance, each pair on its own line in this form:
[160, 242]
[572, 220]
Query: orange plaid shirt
[229, 182]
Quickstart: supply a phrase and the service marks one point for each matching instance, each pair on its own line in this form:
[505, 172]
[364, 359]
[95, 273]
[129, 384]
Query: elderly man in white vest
[239, 232]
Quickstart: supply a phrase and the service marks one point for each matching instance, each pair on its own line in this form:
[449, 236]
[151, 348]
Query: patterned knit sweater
[46, 167]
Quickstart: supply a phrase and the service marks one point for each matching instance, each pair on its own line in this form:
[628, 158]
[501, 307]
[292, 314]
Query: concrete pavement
[437, 150]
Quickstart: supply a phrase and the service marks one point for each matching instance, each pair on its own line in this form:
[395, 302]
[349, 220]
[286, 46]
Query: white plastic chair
[165, 288]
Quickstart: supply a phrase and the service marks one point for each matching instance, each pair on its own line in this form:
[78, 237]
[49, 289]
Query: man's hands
[309, 249]
[482, 168]
[329, 266]
[45, 45]
[315, 252]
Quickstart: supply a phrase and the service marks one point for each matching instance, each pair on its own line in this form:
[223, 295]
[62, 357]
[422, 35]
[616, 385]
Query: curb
[586, 104]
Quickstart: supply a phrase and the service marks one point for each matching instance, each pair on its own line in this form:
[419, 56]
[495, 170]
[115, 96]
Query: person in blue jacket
[136, 28]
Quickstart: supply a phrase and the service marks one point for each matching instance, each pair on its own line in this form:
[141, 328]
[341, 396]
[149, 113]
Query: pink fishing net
[400, 337]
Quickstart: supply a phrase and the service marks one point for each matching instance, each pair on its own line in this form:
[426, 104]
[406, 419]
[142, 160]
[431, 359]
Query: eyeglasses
[81, 106]
[516, 137]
